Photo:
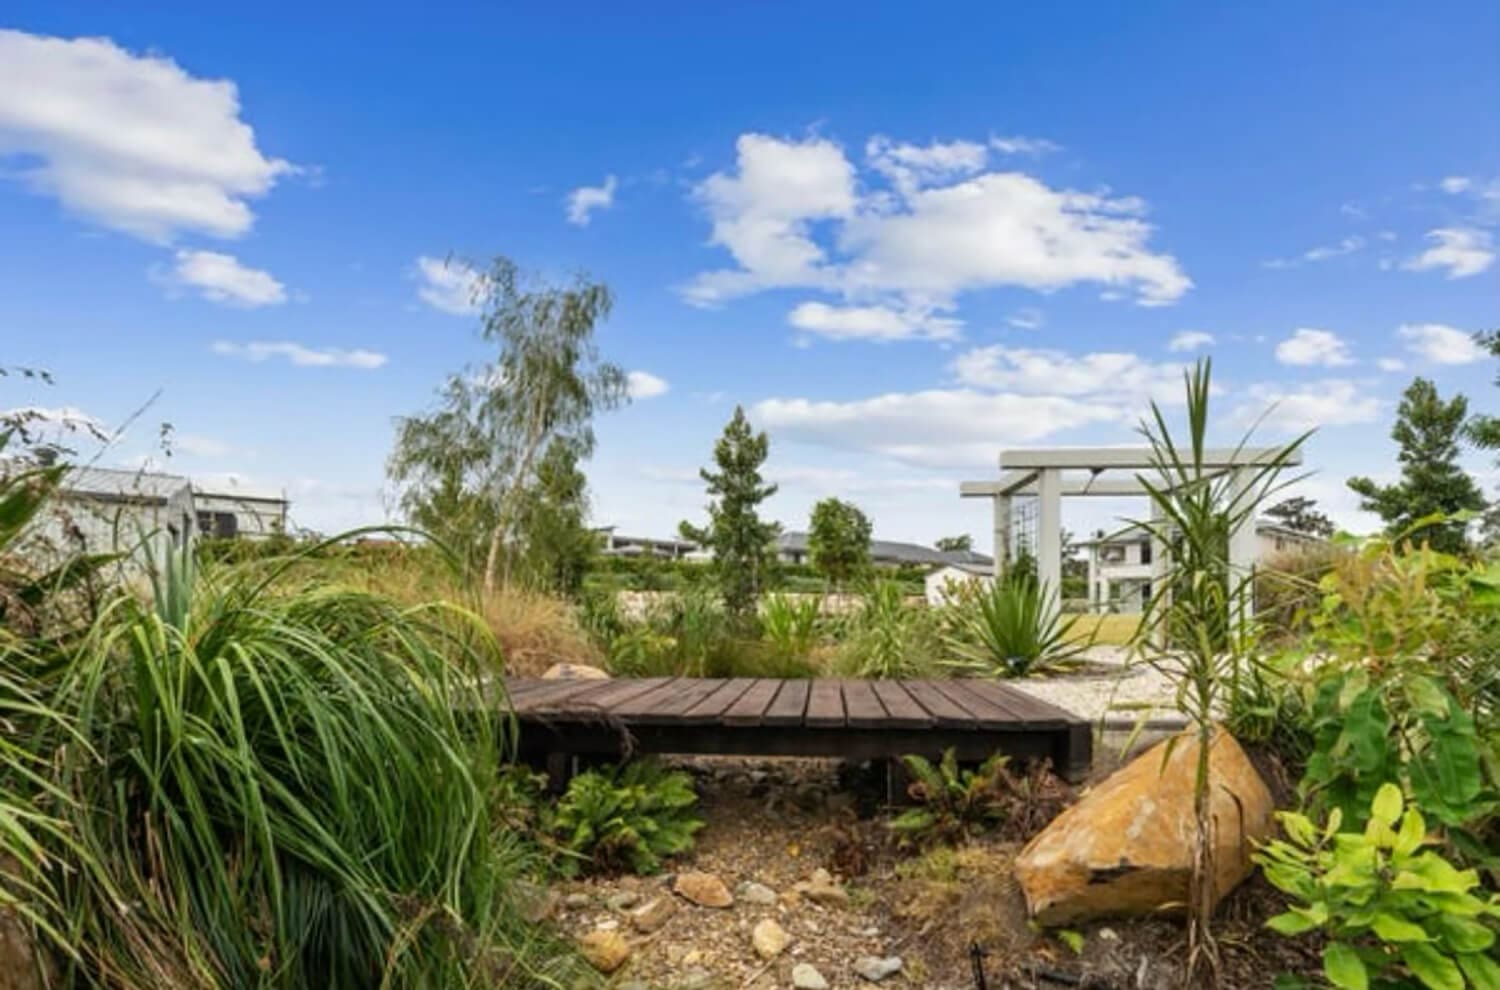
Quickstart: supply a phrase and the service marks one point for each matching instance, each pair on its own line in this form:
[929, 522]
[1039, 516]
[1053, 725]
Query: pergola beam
[1138, 458]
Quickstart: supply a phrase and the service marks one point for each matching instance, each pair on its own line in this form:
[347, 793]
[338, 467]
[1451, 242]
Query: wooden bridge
[562, 721]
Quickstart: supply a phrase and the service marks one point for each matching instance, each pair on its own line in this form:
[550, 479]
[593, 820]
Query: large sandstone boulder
[574, 672]
[1127, 847]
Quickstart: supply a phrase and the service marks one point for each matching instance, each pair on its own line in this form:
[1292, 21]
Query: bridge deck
[854, 719]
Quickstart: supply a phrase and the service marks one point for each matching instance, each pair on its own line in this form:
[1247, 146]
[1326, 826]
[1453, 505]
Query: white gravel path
[1121, 699]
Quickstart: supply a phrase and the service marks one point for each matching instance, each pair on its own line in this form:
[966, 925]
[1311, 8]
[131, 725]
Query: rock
[574, 672]
[651, 915]
[755, 893]
[536, 903]
[1127, 847]
[577, 901]
[806, 977]
[875, 969]
[769, 939]
[821, 888]
[606, 951]
[704, 890]
[622, 900]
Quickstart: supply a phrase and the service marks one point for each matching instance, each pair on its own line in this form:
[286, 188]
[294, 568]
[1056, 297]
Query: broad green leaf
[1344, 968]
[1292, 922]
[1435, 970]
[1426, 696]
[1412, 833]
[1462, 934]
[1482, 970]
[1387, 806]
[1393, 929]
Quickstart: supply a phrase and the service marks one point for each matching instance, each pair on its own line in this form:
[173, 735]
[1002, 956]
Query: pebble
[704, 890]
[821, 888]
[623, 900]
[806, 977]
[653, 914]
[606, 951]
[875, 969]
[755, 893]
[769, 939]
[577, 900]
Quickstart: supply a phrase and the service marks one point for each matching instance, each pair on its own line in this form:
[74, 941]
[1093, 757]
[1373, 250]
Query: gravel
[1120, 697]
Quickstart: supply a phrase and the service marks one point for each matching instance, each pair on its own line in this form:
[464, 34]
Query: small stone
[1109, 935]
[755, 893]
[651, 915]
[806, 977]
[875, 969]
[769, 939]
[821, 888]
[704, 890]
[608, 925]
[606, 951]
[574, 672]
[577, 901]
[623, 900]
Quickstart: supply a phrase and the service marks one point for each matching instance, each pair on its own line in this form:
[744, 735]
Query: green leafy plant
[886, 637]
[1012, 627]
[790, 625]
[629, 817]
[952, 803]
[1396, 913]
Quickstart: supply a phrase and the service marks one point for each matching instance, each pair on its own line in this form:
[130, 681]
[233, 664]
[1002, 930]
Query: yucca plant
[630, 817]
[285, 784]
[952, 803]
[1012, 627]
[790, 625]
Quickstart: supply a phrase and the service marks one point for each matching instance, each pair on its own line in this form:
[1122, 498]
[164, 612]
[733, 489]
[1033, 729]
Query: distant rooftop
[895, 552]
[115, 483]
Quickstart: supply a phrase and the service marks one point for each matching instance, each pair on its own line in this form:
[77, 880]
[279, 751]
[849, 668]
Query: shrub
[954, 803]
[1010, 628]
[790, 625]
[1395, 914]
[629, 817]
[887, 638]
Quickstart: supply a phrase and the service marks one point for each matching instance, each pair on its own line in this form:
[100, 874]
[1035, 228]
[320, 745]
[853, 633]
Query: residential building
[105, 510]
[235, 514]
[792, 548]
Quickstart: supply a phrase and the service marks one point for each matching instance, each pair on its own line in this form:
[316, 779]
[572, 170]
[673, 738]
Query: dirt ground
[775, 822]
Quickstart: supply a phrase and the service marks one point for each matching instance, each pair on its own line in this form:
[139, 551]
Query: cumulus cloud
[871, 322]
[1462, 251]
[1441, 344]
[1323, 252]
[1331, 402]
[645, 385]
[448, 285]
[583, 201]
[1307, 346]
[1115, 376]
[1018, 144]
[221, 278]
[131, 142]
[258, 351]
[795, 214]
[1189, 340]
[936, 428]
[1390, 364]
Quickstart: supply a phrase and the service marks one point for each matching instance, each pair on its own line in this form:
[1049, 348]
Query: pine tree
[742, 545]
[1302, 515]
[1428, 431]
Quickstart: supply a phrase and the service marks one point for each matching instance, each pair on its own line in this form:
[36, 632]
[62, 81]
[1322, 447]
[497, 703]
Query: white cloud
[129, 141]
[1027, 318]
[1391, 364]
[65, 418]
[221, 278]
[1331, 402]
[300, 355]
[1307, 346]
[871, 322]
[792, 216]
[1117, 376]
[645, 385]
[1463, 251]
[1442, 344]
[583, 201]
[1019, 145]
[199, 446]
[448, 285]
[1189, 340]
[957, 427]
[1323, 252]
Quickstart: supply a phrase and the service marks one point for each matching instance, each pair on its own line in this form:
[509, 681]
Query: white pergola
[1050, 474]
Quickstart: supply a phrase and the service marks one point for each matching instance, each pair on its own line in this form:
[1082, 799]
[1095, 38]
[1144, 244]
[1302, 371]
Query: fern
[625, 818]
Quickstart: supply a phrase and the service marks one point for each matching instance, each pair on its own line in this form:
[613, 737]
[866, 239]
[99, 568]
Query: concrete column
[1160, 567]
[1049, 530]
[1002, 533]
[1242, 553]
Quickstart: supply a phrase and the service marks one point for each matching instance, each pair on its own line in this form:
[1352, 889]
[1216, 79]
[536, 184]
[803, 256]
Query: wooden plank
[1028, 711]
[535, 700]
[752, 705]
[985, 712]
[711, 708]
[902, 710]
[519, 687]
[944, 711]
[599, 704]
[685, 694]
[862, 706]
[790, 704]
[825, 705]
[634, 707]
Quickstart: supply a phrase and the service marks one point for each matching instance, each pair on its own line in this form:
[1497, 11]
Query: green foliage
[887, 637]
[743, 545]
[629, 817]
[1395, 912]
[555, 546]
[952, 803]
[963, 543]
[1264, 706]
[1012, 627]
[1301, 514]
[838, 540]
[1434, 494]
[790, 625]
[465, 467]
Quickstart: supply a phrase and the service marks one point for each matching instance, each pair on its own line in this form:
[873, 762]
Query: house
[943, 583]
[618, 545]
[1121, 567]
[104, 510]
[792, 548]
[234, 514]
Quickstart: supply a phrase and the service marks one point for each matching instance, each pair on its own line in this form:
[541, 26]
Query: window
[219, 525]
[1146, 552]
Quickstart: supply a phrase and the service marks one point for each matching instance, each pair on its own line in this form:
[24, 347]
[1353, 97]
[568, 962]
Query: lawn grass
[1108, 630]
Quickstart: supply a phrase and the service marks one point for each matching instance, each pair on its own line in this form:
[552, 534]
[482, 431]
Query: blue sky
[903, 241]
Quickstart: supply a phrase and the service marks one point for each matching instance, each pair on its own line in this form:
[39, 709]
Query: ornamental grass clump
[275, 783]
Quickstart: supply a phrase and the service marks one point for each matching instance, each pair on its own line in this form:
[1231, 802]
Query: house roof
[893, 551]
[131, 486]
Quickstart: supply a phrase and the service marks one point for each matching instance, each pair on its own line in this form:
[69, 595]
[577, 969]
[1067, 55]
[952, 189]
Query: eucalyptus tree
[478, 452]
